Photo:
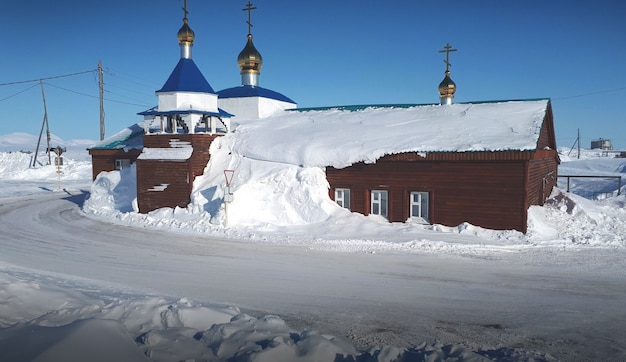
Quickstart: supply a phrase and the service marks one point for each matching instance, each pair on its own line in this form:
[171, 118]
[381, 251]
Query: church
[486, 175]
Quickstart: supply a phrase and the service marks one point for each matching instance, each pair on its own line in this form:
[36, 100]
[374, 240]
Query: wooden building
[489, 188]
[118, 151]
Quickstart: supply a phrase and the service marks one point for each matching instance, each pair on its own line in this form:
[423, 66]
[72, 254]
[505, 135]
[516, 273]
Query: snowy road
[568, 303]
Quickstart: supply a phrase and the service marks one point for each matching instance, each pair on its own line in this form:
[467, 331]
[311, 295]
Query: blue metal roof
[243, 91]
[128, 138]
[360, 107]
[186, 77]
[155, 112]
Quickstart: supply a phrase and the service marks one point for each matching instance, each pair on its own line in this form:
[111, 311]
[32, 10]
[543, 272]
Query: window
[342, 197]
[419, 205]
[378, 202]
[122, 164]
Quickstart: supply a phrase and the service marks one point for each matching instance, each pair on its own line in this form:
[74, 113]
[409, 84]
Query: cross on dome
[447, 49]
[185, 12]
[447, 87]
[186, 36]
[249, 8]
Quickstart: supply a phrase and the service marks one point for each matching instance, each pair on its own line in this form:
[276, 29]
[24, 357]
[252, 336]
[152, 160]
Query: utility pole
[43, 124]
[579, 143]
[576, 142]
[101, 85]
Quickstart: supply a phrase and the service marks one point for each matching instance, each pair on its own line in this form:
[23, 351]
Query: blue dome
[243, 91]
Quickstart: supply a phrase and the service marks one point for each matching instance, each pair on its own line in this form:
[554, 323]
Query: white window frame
[421, 205]
[122, 164]
[379, 203]
[342, 197]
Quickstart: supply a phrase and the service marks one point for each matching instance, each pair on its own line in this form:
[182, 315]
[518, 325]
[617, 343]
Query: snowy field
[293, 277]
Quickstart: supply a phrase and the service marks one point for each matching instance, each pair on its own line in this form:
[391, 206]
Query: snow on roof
[186, 77]
[178, 153]
[253, 91]
[127, 139]
[340, 138]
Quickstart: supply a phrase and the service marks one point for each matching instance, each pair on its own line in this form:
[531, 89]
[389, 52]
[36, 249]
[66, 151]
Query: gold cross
[447, 49]
[185, 8]
[249, 9]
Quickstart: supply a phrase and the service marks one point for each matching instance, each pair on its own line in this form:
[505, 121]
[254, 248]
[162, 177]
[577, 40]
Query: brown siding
[547, 138]
[460, 156]
[542, 177]
[178, 174]
[488, 194]
[104, 160]
[154, 173]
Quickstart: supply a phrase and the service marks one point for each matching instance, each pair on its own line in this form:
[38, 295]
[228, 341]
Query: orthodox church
[487, 176]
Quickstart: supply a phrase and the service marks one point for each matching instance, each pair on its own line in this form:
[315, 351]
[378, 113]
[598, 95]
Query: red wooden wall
[487, 194]
[177, 174]
[104, 160]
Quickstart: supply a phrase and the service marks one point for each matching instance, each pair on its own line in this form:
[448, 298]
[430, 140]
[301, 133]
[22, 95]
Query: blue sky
[318, 53]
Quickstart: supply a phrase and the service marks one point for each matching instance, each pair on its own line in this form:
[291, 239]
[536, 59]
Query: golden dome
[185, 34]
[447, 87]
[250, 60]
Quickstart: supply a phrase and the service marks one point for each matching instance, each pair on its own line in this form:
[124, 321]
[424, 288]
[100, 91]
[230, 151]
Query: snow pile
[327, 138]
[108, 194]
[17, 155]
[569, 220]
[56, 323]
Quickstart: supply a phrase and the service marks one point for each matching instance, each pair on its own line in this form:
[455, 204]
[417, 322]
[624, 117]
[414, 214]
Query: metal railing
[593, 193]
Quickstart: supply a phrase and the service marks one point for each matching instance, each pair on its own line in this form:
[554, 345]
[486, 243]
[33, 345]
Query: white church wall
[253, 107]
[268, 107]
[187, 100]
[242, 108]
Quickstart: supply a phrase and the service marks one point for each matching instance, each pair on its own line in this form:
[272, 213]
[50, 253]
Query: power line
[131, 78]
[92, 96]
[128, 103]
[46, 78]
[591, 93]
[72, 91]
[20, 92]
[127, 97]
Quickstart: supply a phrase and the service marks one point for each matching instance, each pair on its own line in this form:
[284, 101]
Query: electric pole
[101, 85]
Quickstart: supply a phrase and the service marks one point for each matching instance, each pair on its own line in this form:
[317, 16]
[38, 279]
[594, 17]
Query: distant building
[601, 144]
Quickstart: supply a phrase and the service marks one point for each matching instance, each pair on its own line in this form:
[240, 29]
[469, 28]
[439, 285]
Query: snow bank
[42, 319]
[314, 138]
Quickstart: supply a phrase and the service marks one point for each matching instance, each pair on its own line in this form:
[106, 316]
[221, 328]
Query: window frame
[122, 164]
[343, 191]
[423, 207]
[383, 203]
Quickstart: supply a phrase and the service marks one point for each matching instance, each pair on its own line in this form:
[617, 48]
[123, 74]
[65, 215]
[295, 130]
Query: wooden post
[43, 124]
[58, 172]
[101, 85]
[579, 143]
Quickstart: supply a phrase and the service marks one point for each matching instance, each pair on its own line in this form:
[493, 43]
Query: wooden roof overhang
[508, 155]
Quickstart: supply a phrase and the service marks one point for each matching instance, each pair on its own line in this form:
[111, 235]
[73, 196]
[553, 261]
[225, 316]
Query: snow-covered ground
[300, 279]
